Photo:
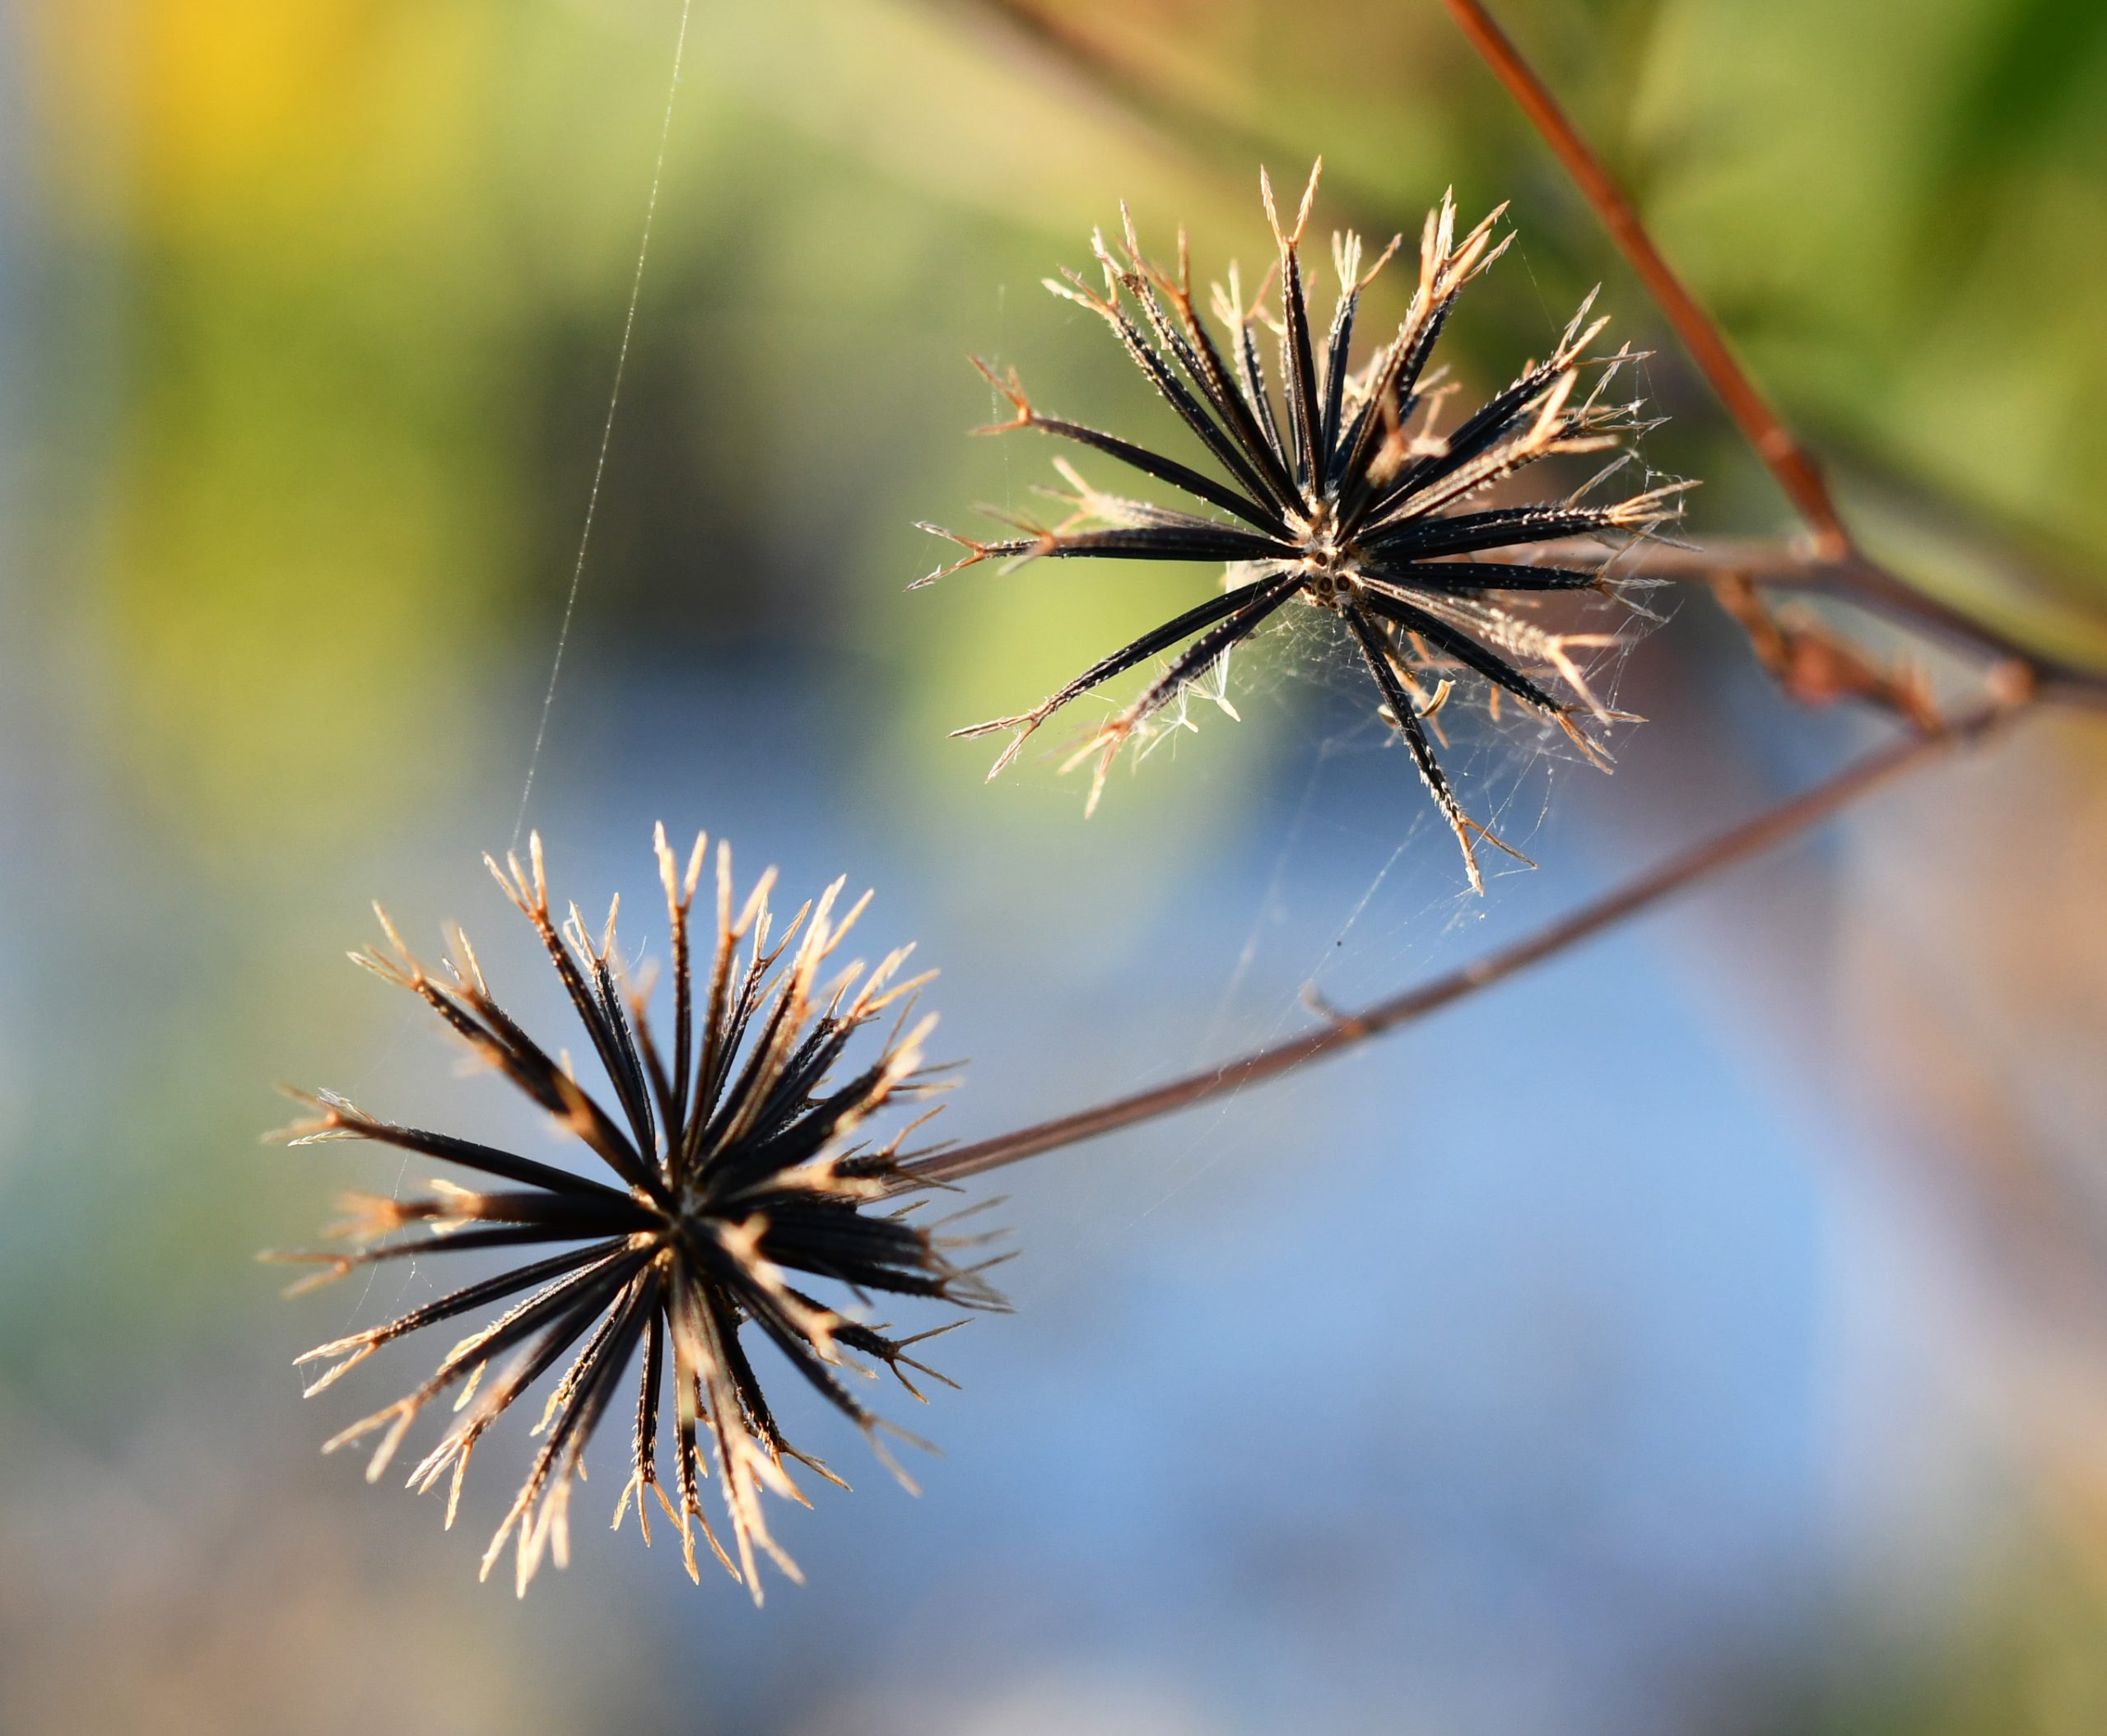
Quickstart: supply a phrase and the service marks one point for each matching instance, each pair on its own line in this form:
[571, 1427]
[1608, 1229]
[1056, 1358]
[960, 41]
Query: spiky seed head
[1338, 488]
[740, 1168]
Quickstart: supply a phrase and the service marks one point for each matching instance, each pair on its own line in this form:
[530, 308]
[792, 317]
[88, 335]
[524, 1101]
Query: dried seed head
[1333, 487]
[742, 1170]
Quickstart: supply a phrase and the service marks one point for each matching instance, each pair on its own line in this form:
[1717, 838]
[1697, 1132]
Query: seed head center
[1330, 567]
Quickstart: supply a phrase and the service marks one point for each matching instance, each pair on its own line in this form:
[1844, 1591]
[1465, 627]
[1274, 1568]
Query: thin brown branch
[1766, 830]
[1760, 424]
[1057, 42]
[1864, 584]
[1210, 135]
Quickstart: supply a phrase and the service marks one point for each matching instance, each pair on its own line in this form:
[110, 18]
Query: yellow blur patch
[233, 117]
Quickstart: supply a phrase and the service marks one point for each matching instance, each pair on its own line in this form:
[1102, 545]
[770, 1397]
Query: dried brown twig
[1775, 443]
[1781, 565]
[1811, 664]
[1766, 830]
[1051, 39]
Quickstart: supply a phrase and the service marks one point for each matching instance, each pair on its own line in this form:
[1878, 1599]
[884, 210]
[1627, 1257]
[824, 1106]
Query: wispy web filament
[608, 427]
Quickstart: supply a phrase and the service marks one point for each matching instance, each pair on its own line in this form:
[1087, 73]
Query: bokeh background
[1707, 1333]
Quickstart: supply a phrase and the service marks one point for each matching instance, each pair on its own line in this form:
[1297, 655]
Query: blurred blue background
[1701, 1333]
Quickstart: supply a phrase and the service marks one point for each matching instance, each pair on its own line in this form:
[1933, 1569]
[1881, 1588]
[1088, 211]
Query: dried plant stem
[1760, 424]
[1773, 826]
[1836, 567]
[1054, 40]
[1779, 565]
